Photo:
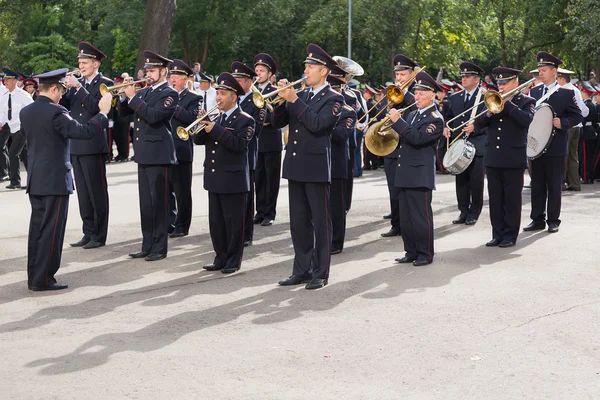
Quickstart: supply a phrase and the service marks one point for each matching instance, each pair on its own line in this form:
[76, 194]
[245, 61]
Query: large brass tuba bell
[381, 139]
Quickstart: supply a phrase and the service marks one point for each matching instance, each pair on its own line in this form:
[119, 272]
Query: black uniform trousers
[440, 154]
[505, 186]
[416, 222]
[469, 189]
[371, 160]
[338, 205]
[181, 185]
[4, 136]
[46, 237]
[586, 159]
[248, 224]
[311, 228]
[92, 195]
[15, 152]
[546, 184]
[154, 183]
[268, 175]
[390, 174]
[109, 142]
[226, 218]
[121, 136]
[350, 181]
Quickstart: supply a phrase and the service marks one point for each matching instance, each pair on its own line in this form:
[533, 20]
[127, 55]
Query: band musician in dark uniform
[181, 177]
[89, 156]
[49, 128]
[469, 183]
[404, 69]
[226, 174]
[153, 108]
[547, 171]
[268, 163]
[312, 115]
[506, 158]
[415, 175]
[589, 136]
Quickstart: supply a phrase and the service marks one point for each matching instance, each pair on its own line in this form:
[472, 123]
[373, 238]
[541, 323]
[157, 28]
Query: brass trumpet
[260, 99]
[197, 126]
[76, 73]
[380, 138]
[257, 91]
[114, 90]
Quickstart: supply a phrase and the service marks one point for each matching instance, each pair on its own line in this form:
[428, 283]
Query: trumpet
[114, 90]
[257, 91]
[380, 138]
[197, 126]
[260, 99]
[494, 104]
[76, 73]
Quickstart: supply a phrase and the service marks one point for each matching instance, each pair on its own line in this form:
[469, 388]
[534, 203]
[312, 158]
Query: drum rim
[537, 108]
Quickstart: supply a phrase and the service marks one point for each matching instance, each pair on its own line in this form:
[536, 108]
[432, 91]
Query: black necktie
[467, 98]
[417, 113]
[222, 119]
[545, 90]
[310, 96]
[204, 101]
[9, 107]
[87, 85]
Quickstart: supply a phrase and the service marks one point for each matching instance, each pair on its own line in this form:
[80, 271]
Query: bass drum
[541, 131]
[459, 156]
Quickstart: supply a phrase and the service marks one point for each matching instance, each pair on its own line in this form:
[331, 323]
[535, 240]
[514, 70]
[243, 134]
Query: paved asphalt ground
[478, 323]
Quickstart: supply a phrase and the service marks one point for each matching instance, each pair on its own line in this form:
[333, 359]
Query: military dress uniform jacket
[590, 122]
[340, 140]
[83, 105]
[153, 110]
[565, 107]
[270, 136]
[311, 123]
[506, 144]
[186, 112]
[416, 150]
[409, 99]
[457, 106]
[258, 115]
[226, 162]
[49, 166]
[352, 102]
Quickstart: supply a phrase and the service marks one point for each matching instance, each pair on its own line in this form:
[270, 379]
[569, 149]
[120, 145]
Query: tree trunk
[156, 31]
[205, 53]
[501, 18]
[186, 46]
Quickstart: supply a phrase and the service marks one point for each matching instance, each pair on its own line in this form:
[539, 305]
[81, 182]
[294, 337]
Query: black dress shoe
[535, 226]
[171, 229]
[405, 260]
[267, 222]
[552, 228]
[213, 267]
[336, 251]
[293, 280]
[81, 243]
[507, 243]
[493, 243]
[387, 216]
[391, 233]
[470, 221]
[257, 220]
[177, 234]
[52, 286]
[420, 263]
[92, 244]
[230, 270]
[139, 254]
[13, 187]
[316, 283]
[155, 256]
[247, 243]
[460, 220]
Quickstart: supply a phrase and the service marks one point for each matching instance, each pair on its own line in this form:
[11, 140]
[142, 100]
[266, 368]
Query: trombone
[197, 126]
[260, 99]
[494, 104]
[114, 90]
[380, 138]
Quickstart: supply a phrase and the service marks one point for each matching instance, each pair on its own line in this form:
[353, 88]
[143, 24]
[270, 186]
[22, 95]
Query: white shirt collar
[242, 98]
[421, 111]
[228, 113]
[157, 85]
[471, 92]
[551, 85]
[90, 80]
[315, 91]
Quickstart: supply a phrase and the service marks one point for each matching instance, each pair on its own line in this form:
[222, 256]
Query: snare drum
[541, 131]
[459, 156]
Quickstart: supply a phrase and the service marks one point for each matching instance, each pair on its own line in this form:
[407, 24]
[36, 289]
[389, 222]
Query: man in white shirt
[11, 103]
[208, 94]
[571, 177]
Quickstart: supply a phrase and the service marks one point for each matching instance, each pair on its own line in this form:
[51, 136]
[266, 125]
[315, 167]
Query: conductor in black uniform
[244, 75]
[312, 115]
[48, 128]
[469, 183]
[226, 175]
[181, 178]
[547, 171]
[153, 108]
[268, 164]
[89, 156]
[403, 70]
[415, 175]
[506, 158]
